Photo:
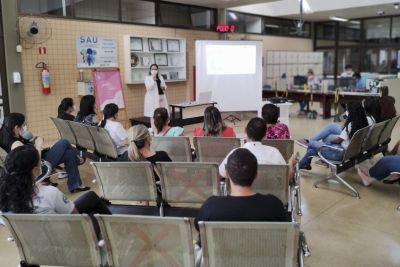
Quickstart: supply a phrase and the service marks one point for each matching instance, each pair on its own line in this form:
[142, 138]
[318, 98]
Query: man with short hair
[255, 131]
[243, 204]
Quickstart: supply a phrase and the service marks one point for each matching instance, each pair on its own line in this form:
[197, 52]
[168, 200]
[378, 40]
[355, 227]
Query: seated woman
[116, 130]
[87, 111]
[387, 107]
[161, 122]
[275, 129]
[356, 120]
[373, 108]
[213, 125]
[381, 170]
[20, 194]
[65, 109]
[11, 137]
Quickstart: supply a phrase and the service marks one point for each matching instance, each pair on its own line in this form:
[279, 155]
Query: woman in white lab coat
[155, 92]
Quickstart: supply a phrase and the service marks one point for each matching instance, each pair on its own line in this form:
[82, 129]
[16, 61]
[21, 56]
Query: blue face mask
[26, 134]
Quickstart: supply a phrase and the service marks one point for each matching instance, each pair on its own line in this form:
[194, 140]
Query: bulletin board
[108, 87]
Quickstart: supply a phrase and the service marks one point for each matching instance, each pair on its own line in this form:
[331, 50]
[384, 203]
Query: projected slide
[230, 59]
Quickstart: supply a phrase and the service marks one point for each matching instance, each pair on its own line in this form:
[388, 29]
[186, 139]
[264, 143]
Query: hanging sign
[225, 28]
[96, 52]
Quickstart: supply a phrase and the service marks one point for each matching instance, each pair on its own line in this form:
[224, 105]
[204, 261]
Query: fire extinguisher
[45, 77]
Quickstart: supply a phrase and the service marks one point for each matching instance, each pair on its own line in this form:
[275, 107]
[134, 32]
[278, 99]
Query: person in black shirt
[243, 204]
[65, 109]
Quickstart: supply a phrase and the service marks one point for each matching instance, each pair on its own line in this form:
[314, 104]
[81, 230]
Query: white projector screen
[230, 72]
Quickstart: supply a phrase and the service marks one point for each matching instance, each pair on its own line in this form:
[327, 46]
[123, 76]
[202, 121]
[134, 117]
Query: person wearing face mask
[155, 93]
[21, 193]
[65, 109]
[11, 137]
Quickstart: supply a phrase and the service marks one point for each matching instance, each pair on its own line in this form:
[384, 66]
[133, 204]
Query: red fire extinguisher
[45, 77]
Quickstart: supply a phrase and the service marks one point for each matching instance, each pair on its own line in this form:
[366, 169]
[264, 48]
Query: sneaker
[302, 142]
[62, 175]
[321, 163]
[305, 167]
[80, 189]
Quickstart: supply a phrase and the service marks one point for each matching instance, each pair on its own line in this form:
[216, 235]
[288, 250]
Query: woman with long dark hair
[213, 125]
[116, 130]
[65, 109]
[11, 137]
[20, 194]
[161, 122]
[155, 92]
[356, 120]
[87, 111]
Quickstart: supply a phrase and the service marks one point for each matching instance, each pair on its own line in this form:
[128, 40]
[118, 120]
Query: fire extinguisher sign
[42, 50]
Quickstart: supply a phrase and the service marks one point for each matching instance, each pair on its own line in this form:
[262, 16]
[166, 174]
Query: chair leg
[298, 195]
[331, 176]
[342, 181]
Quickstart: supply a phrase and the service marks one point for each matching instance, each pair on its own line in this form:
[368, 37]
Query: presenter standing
[155, 93]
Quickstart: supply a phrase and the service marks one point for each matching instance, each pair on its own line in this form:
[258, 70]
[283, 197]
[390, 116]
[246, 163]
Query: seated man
[243, 204]
[255, 131]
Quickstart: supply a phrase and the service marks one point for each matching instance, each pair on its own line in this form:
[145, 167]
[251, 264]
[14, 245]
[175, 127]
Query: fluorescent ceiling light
[306, 6]
[272, 26]
[357, 22]
[338, 19]
[233, 15]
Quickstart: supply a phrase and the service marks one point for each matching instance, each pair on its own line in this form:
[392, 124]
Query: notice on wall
[96, 52]
[108, 88]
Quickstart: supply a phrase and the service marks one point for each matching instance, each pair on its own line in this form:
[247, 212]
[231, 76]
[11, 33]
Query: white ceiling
[221, 3]
[323, 9]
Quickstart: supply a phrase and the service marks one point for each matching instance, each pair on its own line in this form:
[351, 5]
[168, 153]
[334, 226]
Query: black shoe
[305, 167]
[47, 181]
[391, 181]
[80, 189]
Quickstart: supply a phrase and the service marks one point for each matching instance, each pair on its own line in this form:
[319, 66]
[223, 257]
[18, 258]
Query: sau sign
[96, 52]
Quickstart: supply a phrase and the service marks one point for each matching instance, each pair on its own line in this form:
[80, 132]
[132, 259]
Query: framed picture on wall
[147, 60]
[173, 45]
[155, 44]
[136, 44]
[174, 75]
[161, 59]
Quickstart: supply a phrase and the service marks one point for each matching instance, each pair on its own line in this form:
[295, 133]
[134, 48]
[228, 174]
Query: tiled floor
[341, 231]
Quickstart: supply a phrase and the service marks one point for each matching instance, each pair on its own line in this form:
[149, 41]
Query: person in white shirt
[22, 194]
[116, 130]
[255, 131]
[155, 93]
[348, 72]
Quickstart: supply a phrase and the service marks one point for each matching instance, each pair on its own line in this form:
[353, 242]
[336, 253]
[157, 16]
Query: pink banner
[108, 88]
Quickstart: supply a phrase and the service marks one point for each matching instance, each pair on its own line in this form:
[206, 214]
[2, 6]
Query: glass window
[376, 60]
[394, 61]
[253, 24]
[348, 56]
[174, 15]
[238, 20]
[325, 31]
[202, 18]
[272, 26]
[377, 30]
[396, 29]
[97, 9]
[138, 11]
[48, 7]
[329, 61]
[349, 32]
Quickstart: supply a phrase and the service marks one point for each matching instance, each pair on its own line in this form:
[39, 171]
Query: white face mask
[74, 107]
[25, 128]
[154, 72]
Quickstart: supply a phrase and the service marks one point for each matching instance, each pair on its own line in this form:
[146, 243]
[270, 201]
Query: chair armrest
[331, 147]
[394, 173]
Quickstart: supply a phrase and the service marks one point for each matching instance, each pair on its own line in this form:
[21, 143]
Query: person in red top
[213, 125]
[275, 129]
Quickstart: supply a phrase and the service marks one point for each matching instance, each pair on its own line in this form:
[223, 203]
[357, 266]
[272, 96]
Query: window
[396, 29]
[253, 24]
[349, 32]
[272, 26]
[348, 56]
[174, 15]
[48, 7]
[377, 31]
[238, 20]
[376, 60]
[97, 9]
[329, 62]
[137, 11]
[202, 18]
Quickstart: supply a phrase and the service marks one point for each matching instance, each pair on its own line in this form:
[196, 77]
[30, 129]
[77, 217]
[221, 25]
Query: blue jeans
[313, 148]
[63, 152]
[385, 166]
[328, 133]
[304, 105]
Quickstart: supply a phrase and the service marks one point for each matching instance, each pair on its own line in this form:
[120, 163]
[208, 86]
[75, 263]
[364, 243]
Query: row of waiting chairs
[139, 241]
[364, 144]
[180, 183]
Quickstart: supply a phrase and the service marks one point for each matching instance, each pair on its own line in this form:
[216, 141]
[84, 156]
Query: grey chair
[177, 148]
[104, 145]
[384, 139]
[285, 146]
[372, 141]
[143, 241]
[214, 149]
[256, 244]
[55, 240]
[83, 137]
[64, 130]
[188, 182]
[353, 151]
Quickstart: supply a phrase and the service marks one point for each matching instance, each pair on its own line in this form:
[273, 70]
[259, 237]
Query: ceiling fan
[299, 24]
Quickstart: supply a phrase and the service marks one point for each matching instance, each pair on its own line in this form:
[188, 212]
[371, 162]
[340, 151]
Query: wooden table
[327, 99]
[188, 113]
